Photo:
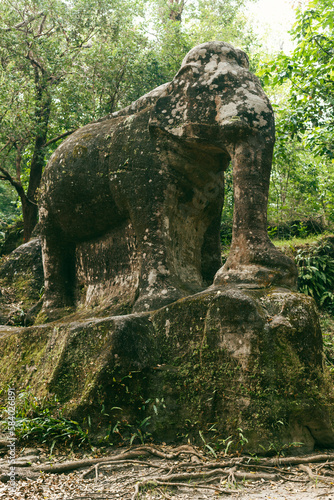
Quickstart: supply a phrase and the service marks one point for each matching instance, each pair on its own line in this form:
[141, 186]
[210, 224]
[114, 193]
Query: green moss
[206, 367]
[79, 150]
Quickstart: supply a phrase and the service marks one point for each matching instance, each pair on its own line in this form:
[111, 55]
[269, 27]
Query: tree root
[125, 463]
[308, 459]
[141, 451]
[183, 472]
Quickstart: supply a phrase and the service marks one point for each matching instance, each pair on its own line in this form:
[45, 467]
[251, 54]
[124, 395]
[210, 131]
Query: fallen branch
[135, 453]
[310, 459]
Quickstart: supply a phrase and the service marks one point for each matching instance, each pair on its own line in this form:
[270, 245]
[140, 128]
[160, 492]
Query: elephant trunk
[251, 174]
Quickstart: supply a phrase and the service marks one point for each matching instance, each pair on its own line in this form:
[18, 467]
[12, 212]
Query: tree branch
[7, 144]
[328, 53]
[18, 162]
[45, 33]
[40, 29]
[23, 23]
[7, 176]
[61, 136]
[34, 62]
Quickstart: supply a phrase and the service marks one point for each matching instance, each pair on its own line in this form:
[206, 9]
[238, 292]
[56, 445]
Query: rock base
[229, 366]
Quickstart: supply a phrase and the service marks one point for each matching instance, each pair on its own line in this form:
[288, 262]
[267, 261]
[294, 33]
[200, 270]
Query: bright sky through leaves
[271, 20]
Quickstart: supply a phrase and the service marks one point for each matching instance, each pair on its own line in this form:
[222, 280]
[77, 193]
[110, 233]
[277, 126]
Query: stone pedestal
[227, 364]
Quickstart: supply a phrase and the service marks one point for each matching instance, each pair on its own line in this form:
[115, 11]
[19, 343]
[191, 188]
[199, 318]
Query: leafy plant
[316, 272]
[207, 445]
[281, 451]
[327, 327]
[42, 420]
[242, 438]
[141, 432]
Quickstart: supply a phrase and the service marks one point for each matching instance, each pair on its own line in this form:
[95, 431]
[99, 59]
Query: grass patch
[293, 244]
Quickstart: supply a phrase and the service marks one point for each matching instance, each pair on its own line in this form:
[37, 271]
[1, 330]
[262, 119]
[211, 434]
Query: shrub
[316, 272]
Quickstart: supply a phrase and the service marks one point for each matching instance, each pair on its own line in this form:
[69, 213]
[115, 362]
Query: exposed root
[176, 468]
[141, 451]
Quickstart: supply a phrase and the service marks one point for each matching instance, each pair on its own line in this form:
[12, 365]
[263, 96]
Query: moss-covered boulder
[21, 283]
[238, 363]
[13, 238]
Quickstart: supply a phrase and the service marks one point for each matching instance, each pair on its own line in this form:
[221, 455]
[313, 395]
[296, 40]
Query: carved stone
[144, 188]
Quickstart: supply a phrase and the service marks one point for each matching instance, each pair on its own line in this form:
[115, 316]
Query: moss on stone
[225, 362]
[21, 282]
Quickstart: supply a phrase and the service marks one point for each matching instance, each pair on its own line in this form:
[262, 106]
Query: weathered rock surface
[21, 283]
[239, 361]
[145, 188]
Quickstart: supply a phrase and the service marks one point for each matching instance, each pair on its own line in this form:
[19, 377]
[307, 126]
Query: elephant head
[214, 98]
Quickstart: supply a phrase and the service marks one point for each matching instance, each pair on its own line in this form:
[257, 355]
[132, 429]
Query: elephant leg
[170, 264]
[157, 285]
[253, 258]
[59, 273]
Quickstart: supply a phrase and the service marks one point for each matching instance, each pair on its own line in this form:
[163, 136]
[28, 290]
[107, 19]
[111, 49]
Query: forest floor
[165, 472]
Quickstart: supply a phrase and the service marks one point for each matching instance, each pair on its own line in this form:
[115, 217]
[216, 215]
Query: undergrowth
[315, 263]
[42, 420]
[314, 258]
[327, 327]
[316, 272]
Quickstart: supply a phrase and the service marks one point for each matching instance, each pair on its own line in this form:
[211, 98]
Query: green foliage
[123, 432]
[302, 183]
[301, 87]
[309, 69]
[9, 211]
[43, 421]
[316, 272]
[327, 327]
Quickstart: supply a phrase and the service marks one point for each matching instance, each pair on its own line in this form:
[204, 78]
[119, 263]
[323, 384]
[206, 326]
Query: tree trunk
[30, 217]
[176, 9]
[42, 114]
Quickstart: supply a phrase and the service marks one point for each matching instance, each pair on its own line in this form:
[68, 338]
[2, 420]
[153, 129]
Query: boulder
[21, 283]
[229, 361]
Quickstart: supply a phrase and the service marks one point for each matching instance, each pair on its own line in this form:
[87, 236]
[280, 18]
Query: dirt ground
[71, 487]
[182, 473]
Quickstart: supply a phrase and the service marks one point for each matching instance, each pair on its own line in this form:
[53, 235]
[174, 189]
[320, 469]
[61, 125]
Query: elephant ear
[187, 108]
[172, 111]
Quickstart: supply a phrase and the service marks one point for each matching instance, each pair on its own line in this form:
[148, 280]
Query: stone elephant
[156, 169]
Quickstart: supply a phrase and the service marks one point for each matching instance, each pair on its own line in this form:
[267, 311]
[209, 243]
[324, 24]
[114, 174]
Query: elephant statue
[153, 173]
